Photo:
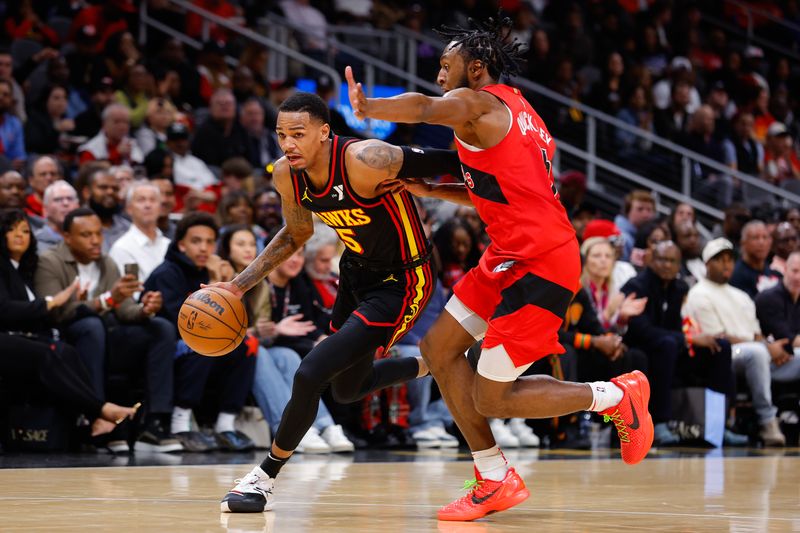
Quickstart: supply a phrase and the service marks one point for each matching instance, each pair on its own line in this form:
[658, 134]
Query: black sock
[272, 465]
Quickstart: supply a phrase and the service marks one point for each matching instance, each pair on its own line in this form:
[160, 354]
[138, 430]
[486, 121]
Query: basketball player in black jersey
[386, 277]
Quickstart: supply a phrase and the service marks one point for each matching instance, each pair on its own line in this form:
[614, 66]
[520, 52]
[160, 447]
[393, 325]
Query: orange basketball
[212, 322]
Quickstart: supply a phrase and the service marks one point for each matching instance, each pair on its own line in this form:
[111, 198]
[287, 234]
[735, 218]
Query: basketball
[212, 322]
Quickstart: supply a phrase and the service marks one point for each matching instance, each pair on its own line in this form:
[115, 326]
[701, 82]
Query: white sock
[181, 420]
[225, 422]
[491, 463]
[604, 395]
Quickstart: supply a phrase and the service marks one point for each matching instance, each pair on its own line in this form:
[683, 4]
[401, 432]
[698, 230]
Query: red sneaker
[631, 417]
[485, 497]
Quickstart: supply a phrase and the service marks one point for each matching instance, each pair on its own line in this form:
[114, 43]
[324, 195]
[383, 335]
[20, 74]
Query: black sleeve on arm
[428, 162]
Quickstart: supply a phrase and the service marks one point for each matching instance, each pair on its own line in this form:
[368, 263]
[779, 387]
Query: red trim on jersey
[334, 161]
[296, 187]
[395, 216]
[368, 323]
[416, 225]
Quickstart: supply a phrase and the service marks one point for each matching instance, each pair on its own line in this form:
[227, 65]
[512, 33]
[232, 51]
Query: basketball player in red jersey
[517, 296]
[386, 275]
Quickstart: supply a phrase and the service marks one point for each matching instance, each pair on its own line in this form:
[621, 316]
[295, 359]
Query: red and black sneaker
[631, 417]
[485, 497]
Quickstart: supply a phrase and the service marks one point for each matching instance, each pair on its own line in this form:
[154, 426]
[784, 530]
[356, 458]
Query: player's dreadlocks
[488, 42]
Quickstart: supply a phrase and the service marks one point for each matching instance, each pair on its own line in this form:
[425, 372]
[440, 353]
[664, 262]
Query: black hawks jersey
[384, 232]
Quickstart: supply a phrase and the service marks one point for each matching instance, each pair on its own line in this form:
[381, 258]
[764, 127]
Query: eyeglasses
[65, 199]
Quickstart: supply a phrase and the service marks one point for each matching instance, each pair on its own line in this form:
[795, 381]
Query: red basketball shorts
[522, 303]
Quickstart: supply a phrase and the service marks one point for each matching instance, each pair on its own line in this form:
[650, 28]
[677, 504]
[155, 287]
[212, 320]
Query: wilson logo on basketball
[206, 299]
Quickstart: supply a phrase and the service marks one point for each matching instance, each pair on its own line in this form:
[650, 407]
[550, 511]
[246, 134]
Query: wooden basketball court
[334, 493]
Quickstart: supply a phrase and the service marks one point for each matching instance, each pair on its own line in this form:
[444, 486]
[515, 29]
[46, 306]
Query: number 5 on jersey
[346, 234]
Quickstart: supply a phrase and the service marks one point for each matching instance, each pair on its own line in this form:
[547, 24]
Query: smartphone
[132, 269]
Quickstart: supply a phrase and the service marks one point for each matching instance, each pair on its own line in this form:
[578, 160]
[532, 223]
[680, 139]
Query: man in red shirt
[516, 298]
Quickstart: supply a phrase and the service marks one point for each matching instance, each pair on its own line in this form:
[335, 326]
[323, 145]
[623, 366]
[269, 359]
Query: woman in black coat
[29, 352]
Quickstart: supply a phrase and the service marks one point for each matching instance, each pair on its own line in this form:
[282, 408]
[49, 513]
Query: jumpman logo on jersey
[305, 195]
[390, 278]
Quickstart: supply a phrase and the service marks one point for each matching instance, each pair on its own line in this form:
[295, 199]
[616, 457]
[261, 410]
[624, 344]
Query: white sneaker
[523, 432]
[446, 440]
[426, 439]
[118, 446]
[313, 443]
[502, 435]
[336, 439]
[252, 494]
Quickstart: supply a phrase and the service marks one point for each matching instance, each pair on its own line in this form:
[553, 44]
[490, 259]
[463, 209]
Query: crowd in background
[114, 154]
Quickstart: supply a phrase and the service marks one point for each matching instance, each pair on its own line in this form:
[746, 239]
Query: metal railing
[594, 132]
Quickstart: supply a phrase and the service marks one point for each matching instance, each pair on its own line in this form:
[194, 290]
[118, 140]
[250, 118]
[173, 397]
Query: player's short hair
[191, 220]
[488, 41]
[310, 103]
[638, 195]
[76, 213]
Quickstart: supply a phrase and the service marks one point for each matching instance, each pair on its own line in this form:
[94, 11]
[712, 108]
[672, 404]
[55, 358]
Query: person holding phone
[102, 313]
[143, 246]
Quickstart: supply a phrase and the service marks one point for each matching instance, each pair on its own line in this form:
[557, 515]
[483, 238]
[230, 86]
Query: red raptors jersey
[512, 187]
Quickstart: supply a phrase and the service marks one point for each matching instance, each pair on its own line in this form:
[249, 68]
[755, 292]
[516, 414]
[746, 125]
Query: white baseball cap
[716, 247]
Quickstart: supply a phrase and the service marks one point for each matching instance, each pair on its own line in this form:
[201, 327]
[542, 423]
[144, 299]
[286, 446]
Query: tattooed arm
[373, 168]
[298, 229]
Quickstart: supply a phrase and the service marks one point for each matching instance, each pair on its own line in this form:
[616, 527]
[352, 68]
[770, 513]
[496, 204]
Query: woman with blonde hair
[153, 133]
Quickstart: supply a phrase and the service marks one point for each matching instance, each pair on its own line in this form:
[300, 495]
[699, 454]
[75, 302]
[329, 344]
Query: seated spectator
[736, 216]
[167, 194]
[30, 353]
[262, 144]
[623, 270]
[59, 199]
[120, 55]
[657, 332]
[103, 314]
[320, 254]
[776, 309]
[673, 122]
[639, 208]
[269, 213]
[785, 240]
[314, 37]
[647, 237]
[256, 58]
[237, 208]
[113, 143]
[43, 171]
[153, 133]
[458, 251]
[124, 176]
[237, 175]
[713, 187]
[12, 190]
[680, 72]
[101, 94]
[172, 56]
[751, 273]
[606, 94]
[47, 122]
[687, 237]
[136, 93]
[571, 189]
[682, 212]
[742, 151]
[276, 366]
[100, 192]
[780, 159]
[184, 269]
[721, 310]
[12, 136]
[17, 94]
[221, 136]
[638, 111]
[143, 244]
[196, 187]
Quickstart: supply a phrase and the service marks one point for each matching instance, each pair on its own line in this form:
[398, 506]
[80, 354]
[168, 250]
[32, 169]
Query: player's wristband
[107, 301]
[419, 163]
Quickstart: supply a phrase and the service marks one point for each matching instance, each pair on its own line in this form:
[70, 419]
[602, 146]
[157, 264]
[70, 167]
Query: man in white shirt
[193, 180]
[143, 243]
[59, 199]
[721, 310]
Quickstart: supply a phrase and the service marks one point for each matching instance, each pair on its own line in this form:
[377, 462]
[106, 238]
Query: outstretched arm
[298, 229]
[455, 109]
